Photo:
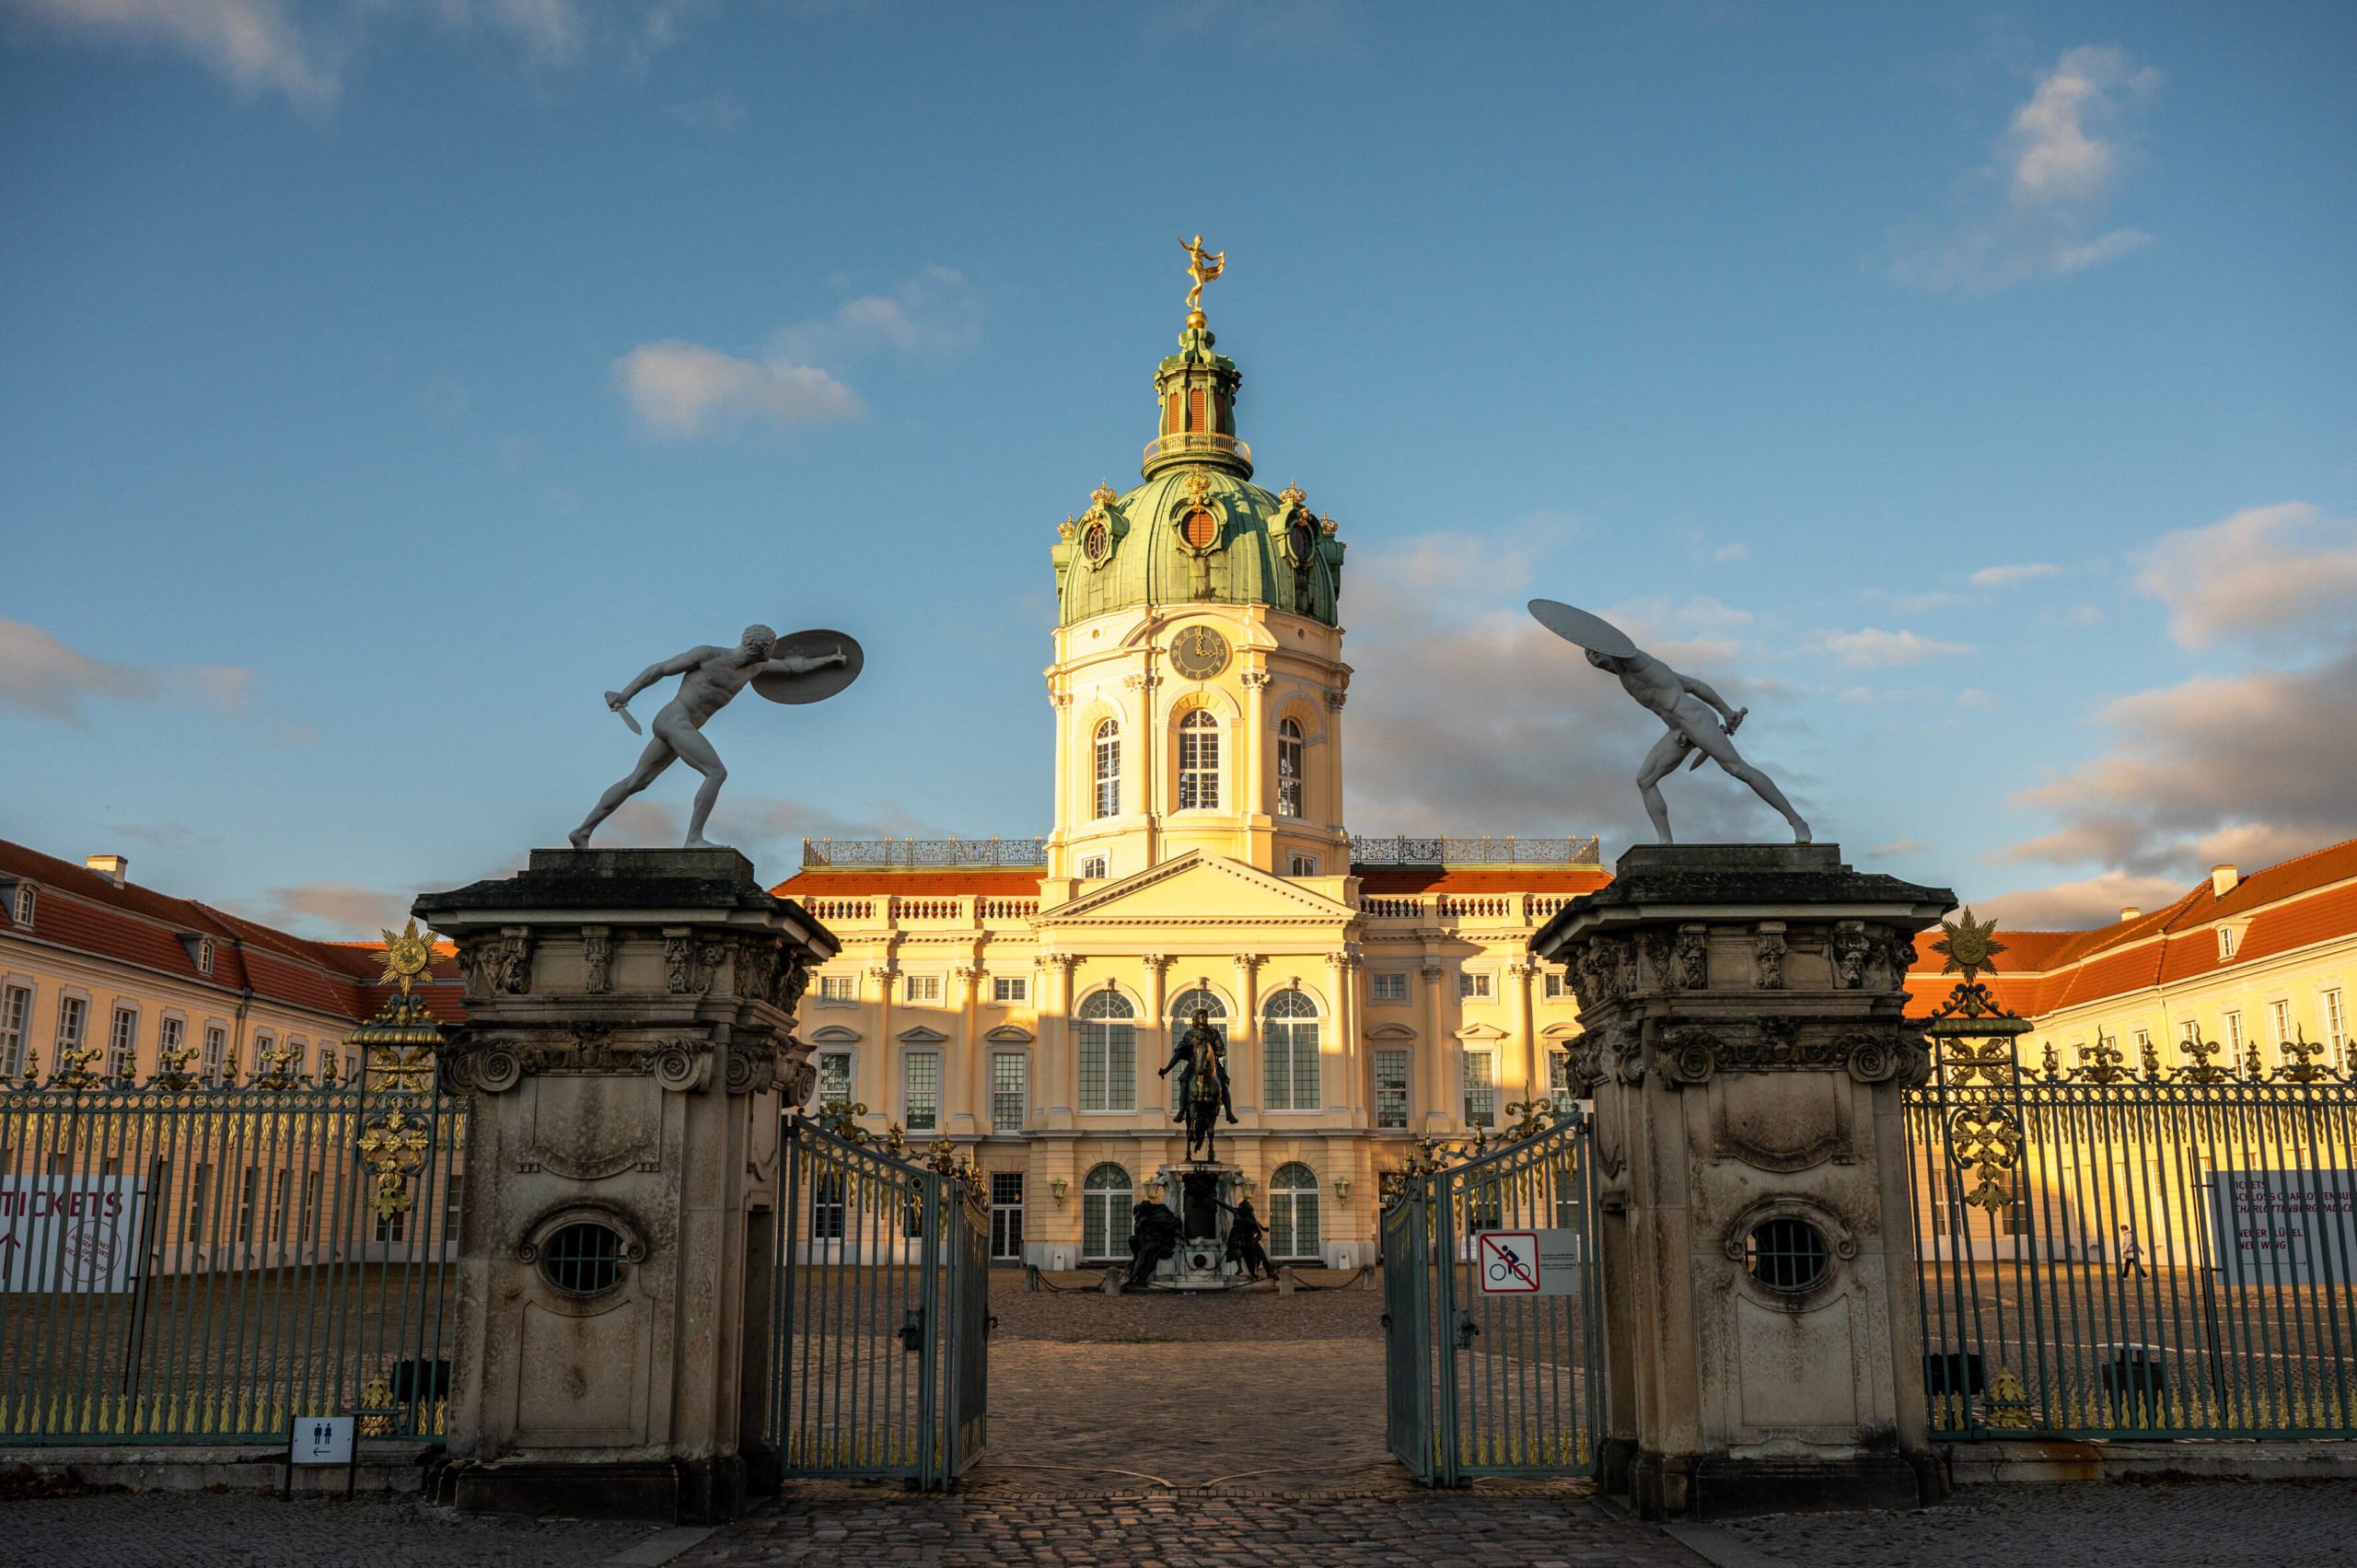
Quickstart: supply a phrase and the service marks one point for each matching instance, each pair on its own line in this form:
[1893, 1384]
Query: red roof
[2307, 899]
[81, 911]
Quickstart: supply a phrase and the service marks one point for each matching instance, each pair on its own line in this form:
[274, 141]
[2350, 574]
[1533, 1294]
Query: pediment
[1560, 1031]
[833, 1034]
[920, 1035]
[1009, 1034]
[1199, 889]
[1481, 1031]
[1391, 1031]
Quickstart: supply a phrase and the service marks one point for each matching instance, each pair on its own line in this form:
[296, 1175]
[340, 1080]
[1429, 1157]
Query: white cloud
[301, 50]
[2275, 574]
[769, 829]
[42, 675]
[1729, 552]
[2012, 576]
[1873, 648]
[2035, 210]
[2082, 905]
[1467, 716]
[683, 389]
[335, 909]
[255, 44]
[1903, 847]
[1915, 604]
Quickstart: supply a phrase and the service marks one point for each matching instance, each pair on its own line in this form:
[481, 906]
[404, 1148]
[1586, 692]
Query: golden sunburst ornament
[406, 956]
[1971, 946]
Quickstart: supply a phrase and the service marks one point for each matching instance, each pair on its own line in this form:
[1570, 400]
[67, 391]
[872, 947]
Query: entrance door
[1006, 1216]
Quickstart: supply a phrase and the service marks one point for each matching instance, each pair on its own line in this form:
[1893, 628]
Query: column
[1433, 1097]
[1348, 1086]
[1154, 1041]
[1148, 785]
[1245, 1031]
[1256, 807]
[1747, 1090]
[878, 1074]
[976, 1115]
[1057, 1068]
[1534, 1072]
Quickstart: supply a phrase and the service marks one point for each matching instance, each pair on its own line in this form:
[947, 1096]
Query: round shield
[818, 684]
[1579, 626]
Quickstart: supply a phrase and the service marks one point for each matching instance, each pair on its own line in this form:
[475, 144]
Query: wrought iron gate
[883, 1314]
[1479, 1382]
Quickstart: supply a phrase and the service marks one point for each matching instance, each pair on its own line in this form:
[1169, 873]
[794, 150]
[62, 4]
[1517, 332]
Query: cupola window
[1109, 768]
[1288, 769]
[1199, 762]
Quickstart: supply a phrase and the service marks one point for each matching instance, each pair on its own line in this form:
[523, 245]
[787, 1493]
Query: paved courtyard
[1206, 1433]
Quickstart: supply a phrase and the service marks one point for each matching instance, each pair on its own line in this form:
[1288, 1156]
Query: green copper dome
[1198, 529]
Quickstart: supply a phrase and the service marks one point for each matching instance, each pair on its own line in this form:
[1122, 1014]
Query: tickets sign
[74, 1234]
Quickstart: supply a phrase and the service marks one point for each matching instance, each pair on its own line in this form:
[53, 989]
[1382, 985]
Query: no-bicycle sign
[1526, 1263]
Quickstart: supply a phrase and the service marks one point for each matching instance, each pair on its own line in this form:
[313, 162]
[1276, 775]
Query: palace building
[1018, 997]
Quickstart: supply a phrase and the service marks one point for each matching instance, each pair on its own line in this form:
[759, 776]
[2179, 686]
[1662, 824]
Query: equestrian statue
[1200, 1057]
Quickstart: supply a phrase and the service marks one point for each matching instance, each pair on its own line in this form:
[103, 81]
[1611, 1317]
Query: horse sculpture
[1203, 1097]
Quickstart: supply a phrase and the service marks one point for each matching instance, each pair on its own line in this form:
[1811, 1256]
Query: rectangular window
[327, 1064]
[1559, 1080]
[2187, 1031]
[280, 1187]
[25, 905]
[1387, 987]
[2278, 1017]
[454, 1203]
[1472, 985]
[1391, 1088]
[204, 955]
[311, 1220]
[924, 1090]
[16, 1004]
[2234, 1022]
[1010, 1090]
[199, 1190]
[2226, 939]
[393, 1226]
[827, 1206]
[1093, 869]
[123, 1044]
[1304, 865]
[72, 1013]
[216, 1051]
[2335, 1019]
[1480, 1089]
[834, 1078]
[925, 987]
[1555, 988]
[248, 1187]
[1009, 988]
[263, 1046]
[839, 988]
[169, 1035]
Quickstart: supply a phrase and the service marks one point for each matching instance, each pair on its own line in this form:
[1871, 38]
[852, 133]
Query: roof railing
[1189, 443]
[925, 852]
[1448, 850]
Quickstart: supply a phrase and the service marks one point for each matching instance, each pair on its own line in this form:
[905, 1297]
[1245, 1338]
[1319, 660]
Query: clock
[1199, 653]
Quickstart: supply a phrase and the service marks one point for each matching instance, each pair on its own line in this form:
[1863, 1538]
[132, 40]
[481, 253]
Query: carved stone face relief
[1767, 956]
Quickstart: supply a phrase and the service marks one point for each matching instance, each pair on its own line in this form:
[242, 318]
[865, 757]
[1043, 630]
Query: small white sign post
[1526, 1263]
[321, 1440]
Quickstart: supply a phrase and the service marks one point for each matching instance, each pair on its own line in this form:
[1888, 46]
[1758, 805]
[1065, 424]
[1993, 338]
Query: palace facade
[1018, 997]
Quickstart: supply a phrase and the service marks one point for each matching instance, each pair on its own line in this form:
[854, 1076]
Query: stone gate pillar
[628, 1043]
[1745, 1044]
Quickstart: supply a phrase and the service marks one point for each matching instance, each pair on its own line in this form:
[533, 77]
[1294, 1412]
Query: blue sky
[1969, 392]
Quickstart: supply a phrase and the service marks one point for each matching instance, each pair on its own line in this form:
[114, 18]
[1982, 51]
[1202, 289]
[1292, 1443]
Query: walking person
[2132, 1256]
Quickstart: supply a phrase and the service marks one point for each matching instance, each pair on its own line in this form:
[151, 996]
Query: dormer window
[2227, 937]
[22, 910]
[204, 955]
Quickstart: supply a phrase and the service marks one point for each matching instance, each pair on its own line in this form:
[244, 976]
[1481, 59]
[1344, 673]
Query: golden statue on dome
[1203, 269]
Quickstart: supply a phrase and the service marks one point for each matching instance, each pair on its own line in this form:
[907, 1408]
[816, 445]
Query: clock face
[1096, 543]
[1199, 653]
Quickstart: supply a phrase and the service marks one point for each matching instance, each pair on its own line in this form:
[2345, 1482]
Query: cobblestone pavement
[2209, 1524]
[1433, 1530]
[201, 1529]
[1078, 1312]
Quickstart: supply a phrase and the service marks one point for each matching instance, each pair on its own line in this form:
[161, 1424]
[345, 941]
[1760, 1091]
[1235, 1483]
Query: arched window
[1109, 768]
[1199, 762]
[1288, 769]
[1293, 1212]
[1106, 1196]
[1182, 1017]
[1109, 1054]
[1289, 1052]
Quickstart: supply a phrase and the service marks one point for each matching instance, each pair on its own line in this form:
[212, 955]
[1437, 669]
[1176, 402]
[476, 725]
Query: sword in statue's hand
[621, 705]
[1702, 756]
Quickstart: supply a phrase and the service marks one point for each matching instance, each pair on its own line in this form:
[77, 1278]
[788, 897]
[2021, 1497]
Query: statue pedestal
[1745, 1044]
[1196, 1190]
[630, 1017]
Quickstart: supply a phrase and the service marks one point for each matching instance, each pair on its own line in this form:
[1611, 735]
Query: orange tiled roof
[2311, 898]
[83, 911]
